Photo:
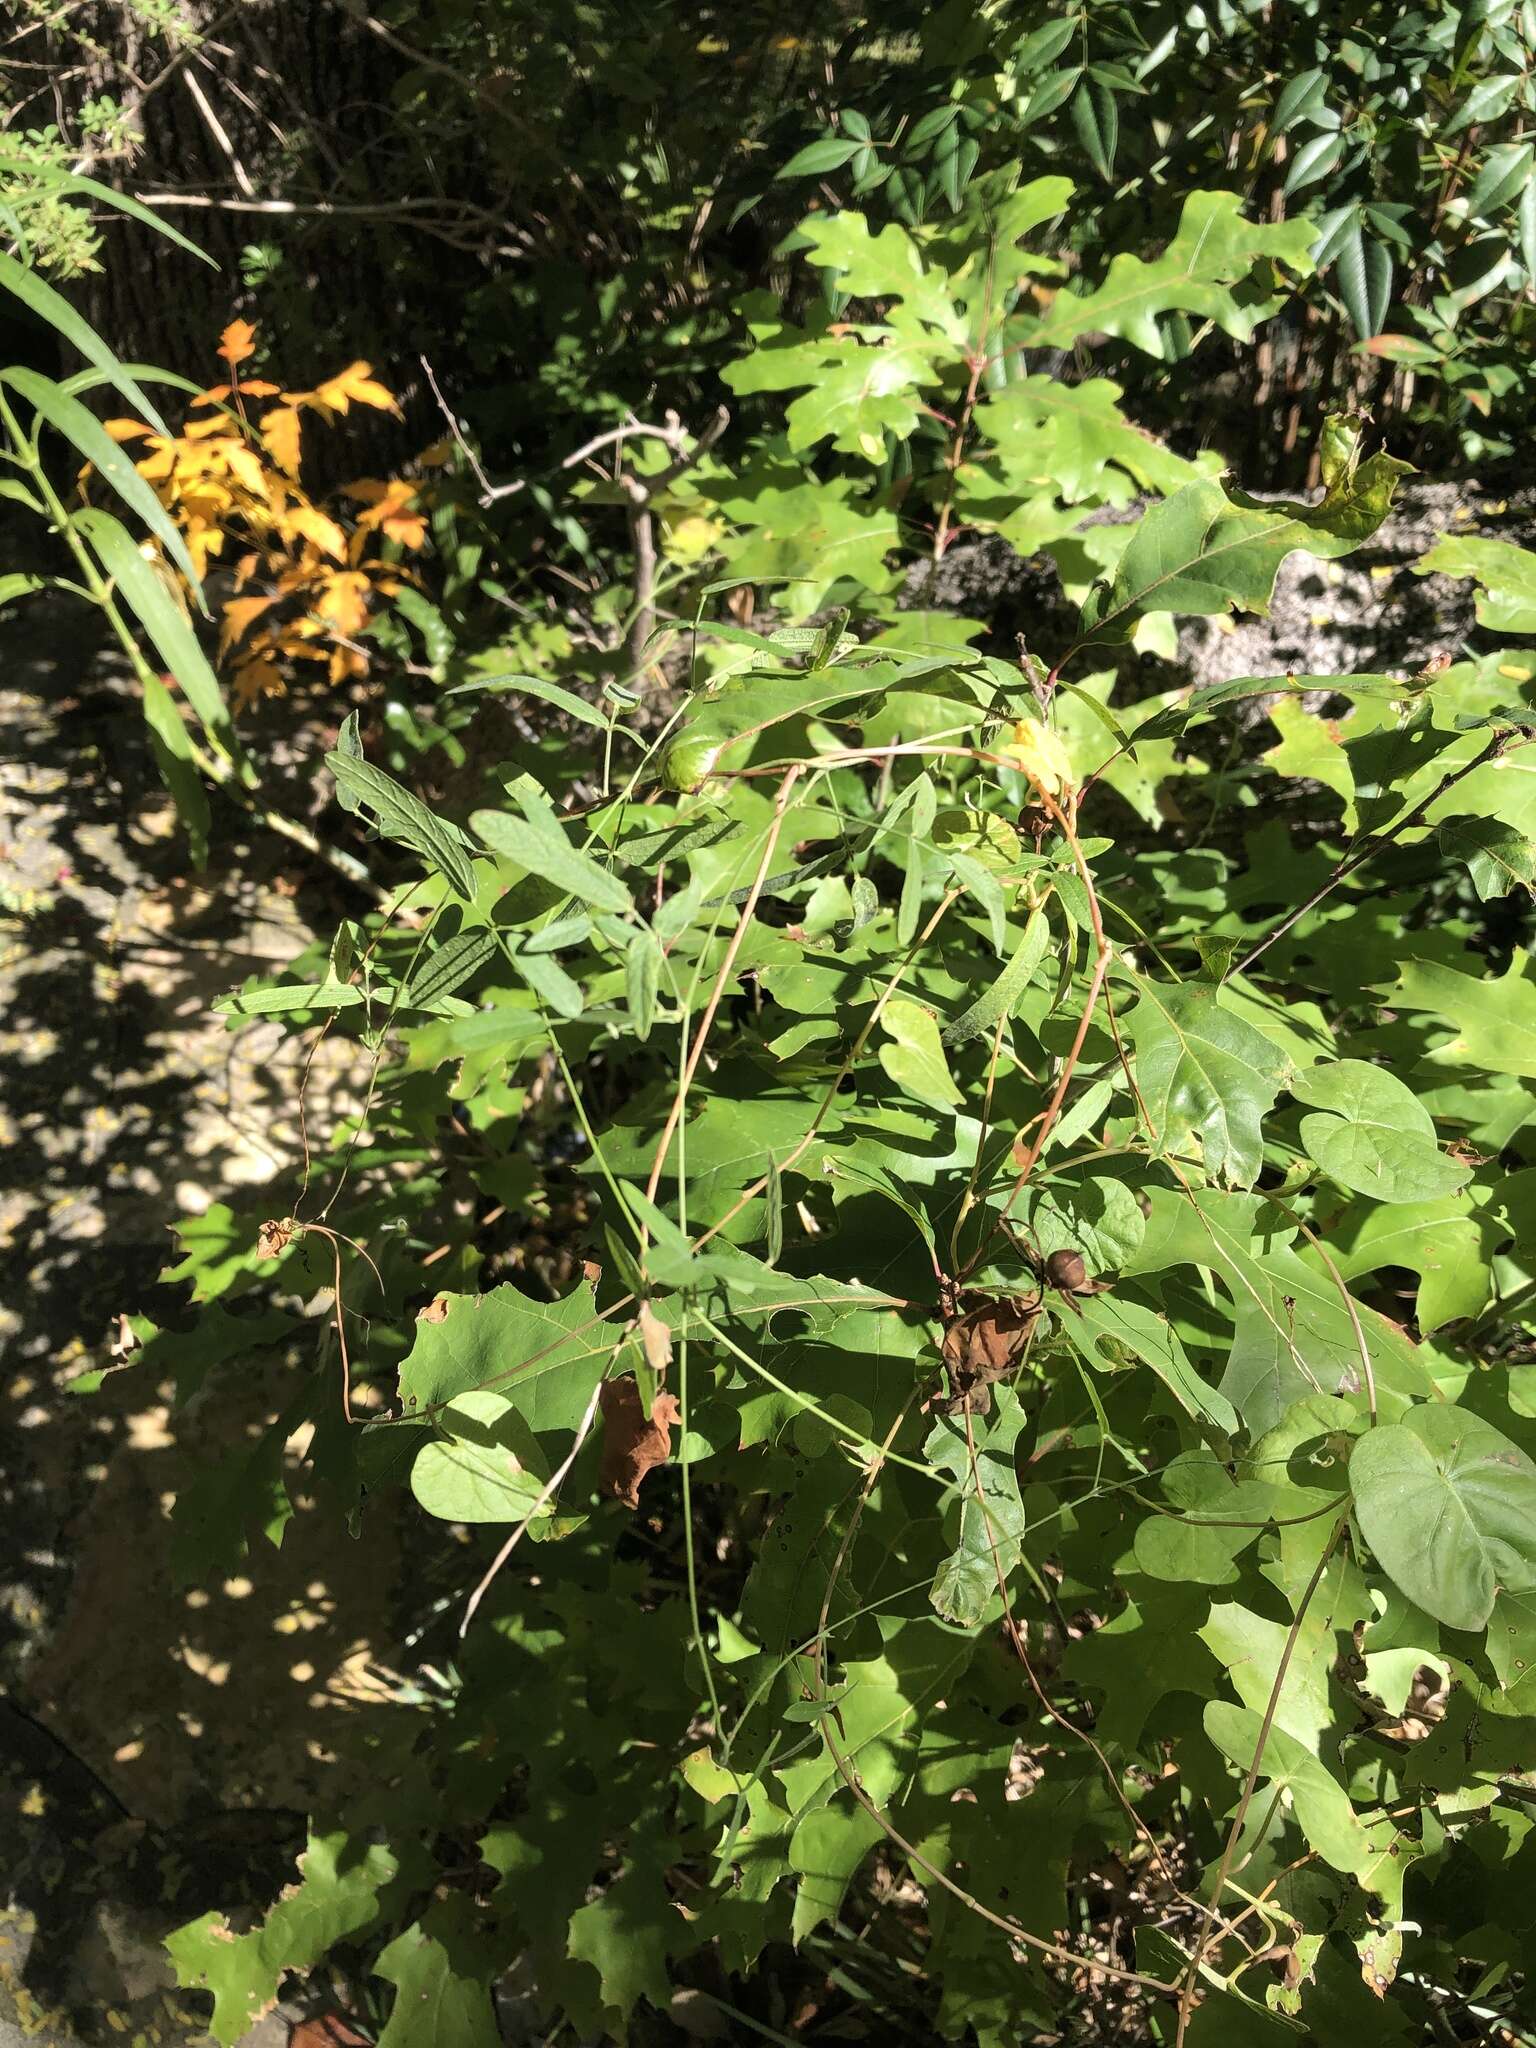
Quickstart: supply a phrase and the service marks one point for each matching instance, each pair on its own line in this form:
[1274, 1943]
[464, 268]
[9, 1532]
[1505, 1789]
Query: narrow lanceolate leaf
[1204, 551]
[52, 306]
[1448, 1504]
[543, 849]
[449, 966]
[402, 817]
[1205, 1073]
[985, 1013]
[144, 589]
[1363, 270]
[642, 979]
[70, 418]
[278, 1002]
[531, 686]
[173, 757]
[65, 182]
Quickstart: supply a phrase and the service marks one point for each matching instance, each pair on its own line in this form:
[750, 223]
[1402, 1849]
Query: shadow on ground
[159, 1745]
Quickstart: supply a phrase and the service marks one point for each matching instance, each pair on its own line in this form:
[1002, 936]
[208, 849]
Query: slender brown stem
[1370, 847]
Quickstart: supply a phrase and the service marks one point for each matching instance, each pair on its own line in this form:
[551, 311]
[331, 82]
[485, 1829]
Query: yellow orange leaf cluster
[306, 579]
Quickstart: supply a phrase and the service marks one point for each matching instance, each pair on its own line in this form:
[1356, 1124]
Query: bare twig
[1372, 846]
[489, 492]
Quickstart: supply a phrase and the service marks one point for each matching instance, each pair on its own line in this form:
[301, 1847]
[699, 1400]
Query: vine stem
[1370, 848]
[696, 1050]
[1271, 1708]
[1053, 1951]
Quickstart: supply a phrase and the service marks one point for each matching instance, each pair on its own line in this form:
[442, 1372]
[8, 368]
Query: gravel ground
[150, 1742]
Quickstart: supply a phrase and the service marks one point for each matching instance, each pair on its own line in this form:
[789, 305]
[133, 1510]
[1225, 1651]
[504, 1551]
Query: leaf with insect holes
[544, 1358]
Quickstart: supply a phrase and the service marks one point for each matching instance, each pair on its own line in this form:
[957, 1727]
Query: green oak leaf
[338, 1896]
[1496, 855]
[1205, 551]
[442, 1971]
[1447, 1242]
[543, 1357]
[1204, 1073]
[1312, 747]
[1323, 1809]
[1214, 247]
[1294, 1332]
[1076, 436]
[1505, 574]
[1448, 1505]
[1372, 1134]
[626, 1935]
[1495, 1020]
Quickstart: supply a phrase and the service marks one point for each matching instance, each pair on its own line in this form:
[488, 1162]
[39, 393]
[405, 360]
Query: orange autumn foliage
[307, 580]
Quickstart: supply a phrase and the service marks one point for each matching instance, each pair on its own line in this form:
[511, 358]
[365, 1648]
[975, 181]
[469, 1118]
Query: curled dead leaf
[981, 1346]
[275, 1236]
[633, 1443]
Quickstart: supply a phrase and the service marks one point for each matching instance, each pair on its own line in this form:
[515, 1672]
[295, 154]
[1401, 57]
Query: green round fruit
[687, 763]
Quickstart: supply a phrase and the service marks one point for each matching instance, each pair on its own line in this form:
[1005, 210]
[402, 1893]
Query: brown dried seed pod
[1065, 1269]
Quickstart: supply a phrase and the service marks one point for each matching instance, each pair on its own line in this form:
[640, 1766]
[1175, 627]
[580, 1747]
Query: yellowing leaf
[355, 385]
[246, 465]
[257, 679]
[237, 343]
[239, 616]
[389, 509]
[343, 603]
[1041, 754]
[347, 663]
[280, 436]
[322, 531]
